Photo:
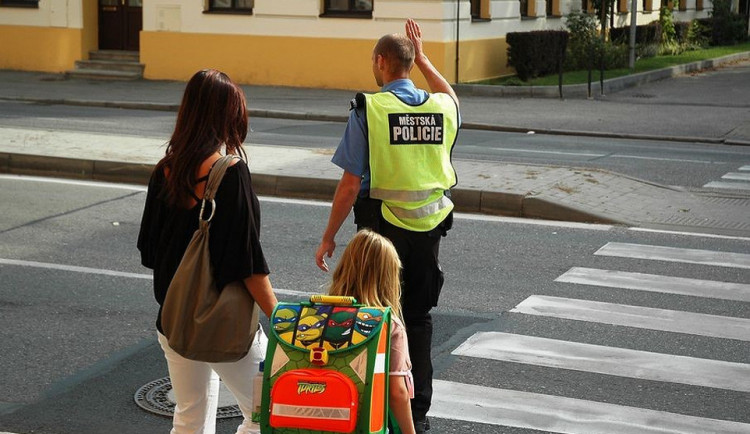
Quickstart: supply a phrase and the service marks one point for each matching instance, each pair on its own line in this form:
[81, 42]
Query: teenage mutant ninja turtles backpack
[326, 368]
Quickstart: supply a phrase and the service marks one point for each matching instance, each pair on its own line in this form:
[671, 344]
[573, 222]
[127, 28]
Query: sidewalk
[681, 108]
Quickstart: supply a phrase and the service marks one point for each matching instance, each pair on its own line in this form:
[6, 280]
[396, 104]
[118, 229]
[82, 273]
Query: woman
[212, 118]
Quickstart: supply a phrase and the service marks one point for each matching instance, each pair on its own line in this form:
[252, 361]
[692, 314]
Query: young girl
[369, 270]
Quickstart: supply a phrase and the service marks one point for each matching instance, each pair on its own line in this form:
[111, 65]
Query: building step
[116, 55]
[110, 65]
[100, 74]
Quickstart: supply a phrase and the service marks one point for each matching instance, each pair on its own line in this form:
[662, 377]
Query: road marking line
[483, 149]
[74, 269]
[737, 176]
[673, 254]
[118, 186]
[689, 234]
[600, 359]
[100, 271]
[677, 160]
[728, 185]
[471, 403]
[657, 283]
[636, 316]
[744, 168]
[537, 222]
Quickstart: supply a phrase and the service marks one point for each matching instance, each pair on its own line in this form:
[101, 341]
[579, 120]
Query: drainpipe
[458, 33]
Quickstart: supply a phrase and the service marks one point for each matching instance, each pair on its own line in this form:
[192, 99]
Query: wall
[50, 38]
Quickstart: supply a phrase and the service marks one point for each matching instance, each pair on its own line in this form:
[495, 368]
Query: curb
[466, 200]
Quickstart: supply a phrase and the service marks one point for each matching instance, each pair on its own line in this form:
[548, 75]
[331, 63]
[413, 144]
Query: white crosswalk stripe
[673, 254]
[559, 414]
[734, 180]
[728, 185]
[657, 283]
[637, 316]
[621, 362]
[737, 176]
[562, 414]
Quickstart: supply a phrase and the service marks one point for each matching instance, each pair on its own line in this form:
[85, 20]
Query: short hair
[370, 271]
[398, 49]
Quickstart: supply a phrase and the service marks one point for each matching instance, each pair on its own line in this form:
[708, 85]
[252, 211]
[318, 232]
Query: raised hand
[414, 33]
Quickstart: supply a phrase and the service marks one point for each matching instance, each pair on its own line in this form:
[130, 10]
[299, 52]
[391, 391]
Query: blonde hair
[370, 271]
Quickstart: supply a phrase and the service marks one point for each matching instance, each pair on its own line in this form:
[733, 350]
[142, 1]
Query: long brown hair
[213, 113]
[370, 271]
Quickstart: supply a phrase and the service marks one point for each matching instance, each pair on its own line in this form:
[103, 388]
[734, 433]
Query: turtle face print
[338, 331]
[284, 323]
[310, 325]
[367, 320]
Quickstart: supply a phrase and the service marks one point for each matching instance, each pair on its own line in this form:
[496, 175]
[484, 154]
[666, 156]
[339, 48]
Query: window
[553, 8]
[698, 5]
[480, 10]
[622, 6]
[683, 5]
[20, 3]
[350, 8]
[231, 6]
[648, 5]
[587, 6]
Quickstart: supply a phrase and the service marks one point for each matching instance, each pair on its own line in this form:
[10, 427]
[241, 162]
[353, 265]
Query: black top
[234, 236]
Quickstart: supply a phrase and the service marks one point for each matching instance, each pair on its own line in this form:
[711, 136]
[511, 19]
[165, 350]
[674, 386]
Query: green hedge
[536, 53]
[644, 34]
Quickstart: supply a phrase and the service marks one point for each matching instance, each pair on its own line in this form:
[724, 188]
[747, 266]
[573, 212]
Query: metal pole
[633, 26]
[458, 24]
[604, 41]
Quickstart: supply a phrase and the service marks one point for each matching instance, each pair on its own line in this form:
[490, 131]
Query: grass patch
[641, 65]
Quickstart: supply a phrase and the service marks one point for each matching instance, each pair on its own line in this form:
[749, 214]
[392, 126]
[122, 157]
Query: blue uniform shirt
[353, 152]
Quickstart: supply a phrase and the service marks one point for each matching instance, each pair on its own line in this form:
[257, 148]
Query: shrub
[644, 34]
[698, 35]
[615, 56]
[583, 41]
[727, 28]
[536, 53]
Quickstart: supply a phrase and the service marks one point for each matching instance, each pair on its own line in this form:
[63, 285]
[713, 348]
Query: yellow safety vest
[410, 158]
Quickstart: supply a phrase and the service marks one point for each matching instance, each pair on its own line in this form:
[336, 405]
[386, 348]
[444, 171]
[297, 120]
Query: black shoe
[421, 426]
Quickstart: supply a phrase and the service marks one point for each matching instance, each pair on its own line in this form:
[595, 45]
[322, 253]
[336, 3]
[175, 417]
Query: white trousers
[196, 388]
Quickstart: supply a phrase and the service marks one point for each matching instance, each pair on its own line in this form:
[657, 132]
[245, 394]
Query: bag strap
[214, 179]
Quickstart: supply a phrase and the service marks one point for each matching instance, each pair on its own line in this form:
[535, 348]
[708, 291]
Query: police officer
[395, 153]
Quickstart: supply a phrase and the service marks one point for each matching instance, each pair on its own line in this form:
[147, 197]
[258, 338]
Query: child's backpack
[326, 368]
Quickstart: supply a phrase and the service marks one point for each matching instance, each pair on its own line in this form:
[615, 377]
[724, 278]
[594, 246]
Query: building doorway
[120, 23]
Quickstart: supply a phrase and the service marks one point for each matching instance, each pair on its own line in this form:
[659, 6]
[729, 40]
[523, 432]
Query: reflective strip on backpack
[310, 412]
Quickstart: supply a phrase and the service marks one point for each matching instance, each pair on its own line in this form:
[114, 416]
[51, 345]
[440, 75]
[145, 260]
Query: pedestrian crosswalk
[739, 180]
[562, 414]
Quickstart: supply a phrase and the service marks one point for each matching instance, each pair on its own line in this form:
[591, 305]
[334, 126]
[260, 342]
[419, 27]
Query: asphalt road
[77, 335]
[689, 165]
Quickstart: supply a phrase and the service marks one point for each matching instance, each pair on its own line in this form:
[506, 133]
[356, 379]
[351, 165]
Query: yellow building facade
[304, 43]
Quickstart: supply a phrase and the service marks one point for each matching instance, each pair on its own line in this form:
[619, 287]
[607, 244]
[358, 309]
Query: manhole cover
[157, 397]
